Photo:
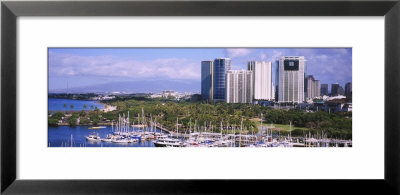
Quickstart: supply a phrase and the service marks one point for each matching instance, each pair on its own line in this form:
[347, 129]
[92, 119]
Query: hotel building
[291, 79]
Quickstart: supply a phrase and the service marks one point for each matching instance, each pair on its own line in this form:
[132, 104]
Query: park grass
[286, 127]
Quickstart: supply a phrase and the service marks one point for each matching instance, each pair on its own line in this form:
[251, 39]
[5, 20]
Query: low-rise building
[338, 105]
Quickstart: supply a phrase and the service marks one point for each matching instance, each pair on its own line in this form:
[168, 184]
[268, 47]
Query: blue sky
[90, 66]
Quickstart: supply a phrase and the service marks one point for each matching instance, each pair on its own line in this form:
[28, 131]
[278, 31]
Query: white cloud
[240, 52]
[111, 66]
[271, 56]
[263, 56]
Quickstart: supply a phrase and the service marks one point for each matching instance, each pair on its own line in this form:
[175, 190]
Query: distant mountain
[154, 86]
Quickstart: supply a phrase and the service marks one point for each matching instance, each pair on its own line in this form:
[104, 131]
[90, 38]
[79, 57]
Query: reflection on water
[61, 137]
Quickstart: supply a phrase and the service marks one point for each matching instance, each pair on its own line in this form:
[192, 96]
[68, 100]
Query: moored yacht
[93, 137]
[164, 141]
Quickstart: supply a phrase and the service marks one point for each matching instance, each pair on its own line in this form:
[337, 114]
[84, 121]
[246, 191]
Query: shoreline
[96, 103]
[107, 107]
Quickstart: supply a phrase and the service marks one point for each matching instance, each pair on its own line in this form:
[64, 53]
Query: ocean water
[61, 137]
[55, 104]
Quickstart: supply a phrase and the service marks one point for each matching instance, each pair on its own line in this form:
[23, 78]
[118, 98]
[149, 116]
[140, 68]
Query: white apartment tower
[239, 86]
[262, 80]
[291, 79]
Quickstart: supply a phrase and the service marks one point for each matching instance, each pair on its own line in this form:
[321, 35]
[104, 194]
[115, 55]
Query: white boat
[93, 137]
[164, 141]
[123, 140]
[109, 138]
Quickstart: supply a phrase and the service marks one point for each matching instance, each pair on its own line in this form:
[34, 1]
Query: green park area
[205, 115]
[286, 127]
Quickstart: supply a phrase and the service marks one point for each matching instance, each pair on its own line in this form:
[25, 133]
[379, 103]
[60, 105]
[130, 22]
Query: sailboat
[164, 141]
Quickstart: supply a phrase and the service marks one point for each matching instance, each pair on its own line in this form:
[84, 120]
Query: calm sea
[61, 137]
[65, 105]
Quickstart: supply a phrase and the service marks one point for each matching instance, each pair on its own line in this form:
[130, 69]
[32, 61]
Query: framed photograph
[199, 97]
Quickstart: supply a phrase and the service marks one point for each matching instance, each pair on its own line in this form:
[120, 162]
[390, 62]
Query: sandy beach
[108, 108]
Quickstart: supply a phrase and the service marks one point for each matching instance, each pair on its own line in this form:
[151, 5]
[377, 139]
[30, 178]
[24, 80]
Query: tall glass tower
[207, 80]
[221, 66]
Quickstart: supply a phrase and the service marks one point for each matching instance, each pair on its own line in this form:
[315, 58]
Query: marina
[124, 133]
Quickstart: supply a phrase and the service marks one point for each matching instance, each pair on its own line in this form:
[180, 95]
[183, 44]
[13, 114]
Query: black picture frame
[11, 10]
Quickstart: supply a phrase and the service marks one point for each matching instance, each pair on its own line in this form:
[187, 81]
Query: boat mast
[221, 128]
[176, 127]
[155, 124]
[127, 125]
[195, 125]
[138, 120]
[290, 135]
[190, 128]
[143, 119]
[151, 123]
[240, 133]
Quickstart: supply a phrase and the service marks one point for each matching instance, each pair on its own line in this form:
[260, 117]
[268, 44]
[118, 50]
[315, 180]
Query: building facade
[291, 79]
[221, 66]
[312, 88]
[262, 80]
[335, 89]
[317, 88]
[324, 89]
[207, 69]
[239, 86]
[348, 90]
[340, 90]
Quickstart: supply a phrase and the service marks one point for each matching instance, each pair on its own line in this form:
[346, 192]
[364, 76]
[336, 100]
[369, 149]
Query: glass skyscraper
[324, 89]
[221, 66]
[347, 89]
[335, 89]
[207, 80]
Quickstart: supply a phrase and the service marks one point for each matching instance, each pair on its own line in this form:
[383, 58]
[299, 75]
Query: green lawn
[286, 127]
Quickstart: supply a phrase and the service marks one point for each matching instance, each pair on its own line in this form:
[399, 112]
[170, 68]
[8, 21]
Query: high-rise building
[221, 66]
[207, 80]
[334, 89]
[276, 79]
[312, 88]
[340, 90]
[348, 90]
[239, 86]
[317, 88]
[324, 89]
[291, 79]
[262, 80]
